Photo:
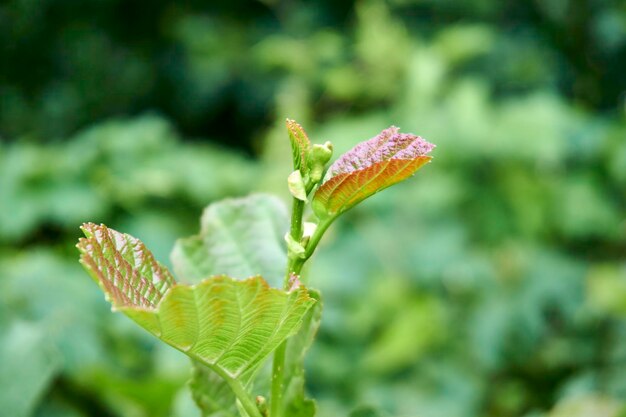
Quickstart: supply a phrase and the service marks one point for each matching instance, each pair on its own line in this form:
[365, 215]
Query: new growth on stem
[369, 167]
[366, 169]
[229, 322]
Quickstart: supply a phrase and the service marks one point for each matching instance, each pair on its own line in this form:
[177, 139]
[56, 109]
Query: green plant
[230, 321]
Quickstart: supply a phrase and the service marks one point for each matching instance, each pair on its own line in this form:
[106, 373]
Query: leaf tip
[388, 145]
[369, 167]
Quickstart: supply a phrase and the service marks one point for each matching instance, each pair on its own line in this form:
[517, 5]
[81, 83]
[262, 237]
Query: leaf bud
[261, 404]
[300, 146]
[294, 248]
[296, 185]
[319, 157]
[294, 282]
[308, 230]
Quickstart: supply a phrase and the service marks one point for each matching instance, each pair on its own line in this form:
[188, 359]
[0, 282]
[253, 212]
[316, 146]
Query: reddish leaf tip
[387, 145]
[369, 167]
[123, 267]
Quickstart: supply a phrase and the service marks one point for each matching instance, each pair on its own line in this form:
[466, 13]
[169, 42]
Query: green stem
[242, 395]
[296, 219]
[296, 234]
[278, 366]
[296, 265]
[278, 380]
[317, 235]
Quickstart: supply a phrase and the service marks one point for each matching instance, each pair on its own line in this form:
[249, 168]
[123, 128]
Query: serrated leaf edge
[302, 295]
[148, 316]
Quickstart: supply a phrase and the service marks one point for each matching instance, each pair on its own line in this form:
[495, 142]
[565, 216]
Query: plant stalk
[295, 231]
[278, 366]
[297, 264]
[294, 266]
[278, 380]
[296, 219]
[242, 395]
[248, 404]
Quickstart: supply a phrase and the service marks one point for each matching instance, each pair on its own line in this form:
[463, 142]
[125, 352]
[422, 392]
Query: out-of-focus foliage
[493, 284]
[240, 238]
[214, 66]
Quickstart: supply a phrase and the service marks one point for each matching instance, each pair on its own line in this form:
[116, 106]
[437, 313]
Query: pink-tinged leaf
[123, 267]
[370, 167]
[300, 145]
[231, 326]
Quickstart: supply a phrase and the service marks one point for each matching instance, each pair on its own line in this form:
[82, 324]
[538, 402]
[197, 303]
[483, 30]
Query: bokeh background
[492, 284]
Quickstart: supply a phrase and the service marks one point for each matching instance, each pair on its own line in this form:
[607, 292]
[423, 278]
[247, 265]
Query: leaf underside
[343, 191]
[228, 325]
[239, 237]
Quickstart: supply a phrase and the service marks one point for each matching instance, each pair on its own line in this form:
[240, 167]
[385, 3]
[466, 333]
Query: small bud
[294, 282]
[261, 404]
[296, 185]
[307, 232]
[309, 229]
[294, 249]
[320, 155]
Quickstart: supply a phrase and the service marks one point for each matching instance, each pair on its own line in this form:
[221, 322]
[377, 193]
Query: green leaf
[300, 146]
[123, 267]
[239, 237]
[230, 326]
[211, 393]
[391, 351]
[588, 405]
[296, 403]
[368, 168]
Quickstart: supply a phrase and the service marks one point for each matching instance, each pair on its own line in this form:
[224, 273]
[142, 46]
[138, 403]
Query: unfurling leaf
[369, 167]
[300, 146]
[230, 326]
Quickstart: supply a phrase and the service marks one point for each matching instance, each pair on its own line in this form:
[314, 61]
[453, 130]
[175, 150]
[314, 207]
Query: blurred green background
[492, 284]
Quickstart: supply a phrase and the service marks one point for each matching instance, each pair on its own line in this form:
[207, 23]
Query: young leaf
[300, 146]
[238, 237]
[368, 168]
[123, 267]
[230, 326]
[29, 363]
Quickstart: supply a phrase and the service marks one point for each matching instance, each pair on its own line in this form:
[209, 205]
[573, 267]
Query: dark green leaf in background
[28, 362]
[238, 237]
